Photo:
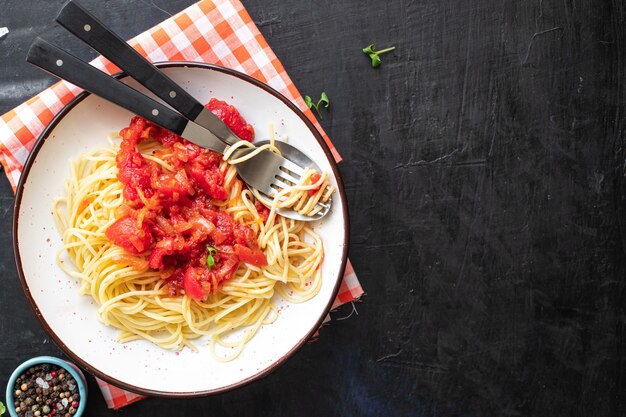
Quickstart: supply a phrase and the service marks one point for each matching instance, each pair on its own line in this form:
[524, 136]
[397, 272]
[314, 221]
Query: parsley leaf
[210, 260]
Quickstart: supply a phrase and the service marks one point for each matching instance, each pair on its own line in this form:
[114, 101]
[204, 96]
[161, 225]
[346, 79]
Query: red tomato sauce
[171, 216]
[230, 115]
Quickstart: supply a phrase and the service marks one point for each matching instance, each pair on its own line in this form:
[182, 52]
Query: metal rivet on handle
[155, 112]
[59, 62]
[87, 28]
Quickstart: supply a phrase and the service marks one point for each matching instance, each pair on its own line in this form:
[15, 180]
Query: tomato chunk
[163, 248]
[227, 262]
[125, 233]
[231, 117]
[209, 178]
[250, 256]
[314, 178]
[193, 285]
[263, 211]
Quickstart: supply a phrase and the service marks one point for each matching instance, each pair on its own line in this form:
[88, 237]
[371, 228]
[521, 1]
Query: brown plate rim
[96, 372]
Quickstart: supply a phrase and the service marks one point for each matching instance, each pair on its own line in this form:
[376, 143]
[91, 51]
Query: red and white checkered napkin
[213, 31]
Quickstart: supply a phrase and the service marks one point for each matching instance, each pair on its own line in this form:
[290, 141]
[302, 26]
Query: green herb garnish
[2, 409]
[375, 55]
[210, 260]
[323, 100]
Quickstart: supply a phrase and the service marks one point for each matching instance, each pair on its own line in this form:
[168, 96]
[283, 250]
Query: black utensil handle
[64, 65]
[94, 33]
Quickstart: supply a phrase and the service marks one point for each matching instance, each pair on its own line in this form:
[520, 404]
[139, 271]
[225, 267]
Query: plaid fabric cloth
[213, 31]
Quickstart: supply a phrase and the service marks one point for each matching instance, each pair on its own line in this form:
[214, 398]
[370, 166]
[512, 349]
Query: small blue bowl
[81, 382]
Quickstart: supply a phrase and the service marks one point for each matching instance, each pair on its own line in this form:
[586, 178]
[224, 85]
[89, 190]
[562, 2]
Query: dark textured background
[484, 167]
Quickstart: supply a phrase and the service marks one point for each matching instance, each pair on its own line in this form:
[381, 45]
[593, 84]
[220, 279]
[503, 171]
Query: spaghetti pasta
[142, 301]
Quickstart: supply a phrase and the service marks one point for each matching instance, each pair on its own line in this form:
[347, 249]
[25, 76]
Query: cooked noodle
[132, 297]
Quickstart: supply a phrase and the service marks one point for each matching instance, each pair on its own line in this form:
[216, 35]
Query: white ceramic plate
[71, 320]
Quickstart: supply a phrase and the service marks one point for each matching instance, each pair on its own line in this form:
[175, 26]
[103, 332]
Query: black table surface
[484, 164]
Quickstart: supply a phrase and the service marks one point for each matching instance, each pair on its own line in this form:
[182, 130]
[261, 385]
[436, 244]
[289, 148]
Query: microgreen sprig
[374, 55]
[323, 100]
[210, 260]
[2, 409]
